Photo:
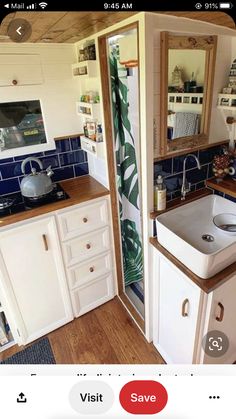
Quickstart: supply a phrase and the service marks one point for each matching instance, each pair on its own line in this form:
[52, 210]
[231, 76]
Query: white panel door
[178, 313]
[222, 318]
[35, 275]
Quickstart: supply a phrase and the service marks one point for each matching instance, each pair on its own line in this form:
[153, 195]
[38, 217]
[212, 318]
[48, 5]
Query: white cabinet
[178, 315]
[183, 314]
[20, 69]
[86, 246]
[221, 315]
[33, 278]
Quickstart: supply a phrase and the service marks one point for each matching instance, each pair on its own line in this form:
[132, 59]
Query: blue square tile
[8, 160]
[178, 163]
[200, 185]
[163, 168]
[9, 186]
[81, 169]
[206, 156]
[10, 170]
[173, 183]
[17, 158]
[75, 143]
[73, 157]
[47, 161]
[61, 147]
[231, 198]
[62, 173]
[196, 176]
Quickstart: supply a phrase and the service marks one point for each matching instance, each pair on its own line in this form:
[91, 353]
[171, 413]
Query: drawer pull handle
[91, 269]
[222, 311]
[184, 307]
[14, 82]
[85, 220]
[88, 246]
[45, 242]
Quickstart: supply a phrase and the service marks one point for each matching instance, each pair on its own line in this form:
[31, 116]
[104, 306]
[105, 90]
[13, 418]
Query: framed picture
[227, 90]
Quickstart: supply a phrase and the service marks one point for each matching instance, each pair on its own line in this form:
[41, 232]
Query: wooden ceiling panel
[70, 27]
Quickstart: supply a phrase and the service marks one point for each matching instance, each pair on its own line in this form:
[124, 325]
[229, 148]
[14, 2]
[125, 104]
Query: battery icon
[225, 5]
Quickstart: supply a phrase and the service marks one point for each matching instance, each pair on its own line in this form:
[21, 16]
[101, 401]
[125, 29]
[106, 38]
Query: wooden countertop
[177, 202]
[227, 185]
[207, 285]
[79, 189]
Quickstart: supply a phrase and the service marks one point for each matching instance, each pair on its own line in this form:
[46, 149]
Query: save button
[143, 397]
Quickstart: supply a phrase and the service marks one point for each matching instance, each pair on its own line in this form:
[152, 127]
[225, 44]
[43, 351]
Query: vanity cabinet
[86, 244]
[183, 314]
[33, 279]
[178, 306]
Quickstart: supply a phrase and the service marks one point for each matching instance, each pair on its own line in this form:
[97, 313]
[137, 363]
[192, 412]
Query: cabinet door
[35, 279]
[178, 313]
[222, 308]
[25, 69]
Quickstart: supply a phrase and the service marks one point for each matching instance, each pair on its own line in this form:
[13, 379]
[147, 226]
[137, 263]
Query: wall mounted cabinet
[20, 70]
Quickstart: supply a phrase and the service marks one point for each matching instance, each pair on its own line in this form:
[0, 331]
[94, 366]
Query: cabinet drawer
[88, 271]
[92, 295]
[86, 246]
[83, 219]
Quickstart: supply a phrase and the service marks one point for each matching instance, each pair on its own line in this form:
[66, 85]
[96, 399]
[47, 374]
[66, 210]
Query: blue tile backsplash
[172, 171]
[67, 161]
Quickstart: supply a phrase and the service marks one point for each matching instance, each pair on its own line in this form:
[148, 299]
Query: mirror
[187, 75]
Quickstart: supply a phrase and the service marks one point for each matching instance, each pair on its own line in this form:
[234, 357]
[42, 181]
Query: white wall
[58, 93]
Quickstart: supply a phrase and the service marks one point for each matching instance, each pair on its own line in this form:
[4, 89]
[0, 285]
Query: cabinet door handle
[88, 246]
[45, 242]
[85, 220]
[222, 311]
[91, 269]
[185, 308]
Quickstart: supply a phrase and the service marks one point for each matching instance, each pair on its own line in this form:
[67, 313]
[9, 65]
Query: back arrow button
[18, 30]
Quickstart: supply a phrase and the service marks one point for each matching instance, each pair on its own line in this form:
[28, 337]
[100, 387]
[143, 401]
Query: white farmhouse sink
[181, 230]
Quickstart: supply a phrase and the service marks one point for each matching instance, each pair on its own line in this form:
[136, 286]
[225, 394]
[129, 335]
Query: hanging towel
[186, 123]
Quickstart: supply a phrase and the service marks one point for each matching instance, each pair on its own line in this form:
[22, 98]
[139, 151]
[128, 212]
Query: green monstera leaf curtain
[126, 152]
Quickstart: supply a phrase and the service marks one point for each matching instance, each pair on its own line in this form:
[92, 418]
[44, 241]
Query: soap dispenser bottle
[160, 194]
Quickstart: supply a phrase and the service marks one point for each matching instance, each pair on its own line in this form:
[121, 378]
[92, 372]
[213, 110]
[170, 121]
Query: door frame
[107, 105]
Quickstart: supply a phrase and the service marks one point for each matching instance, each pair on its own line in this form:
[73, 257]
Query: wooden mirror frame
[204, 42]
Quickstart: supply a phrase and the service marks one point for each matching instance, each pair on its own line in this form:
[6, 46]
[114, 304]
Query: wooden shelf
[227, 186]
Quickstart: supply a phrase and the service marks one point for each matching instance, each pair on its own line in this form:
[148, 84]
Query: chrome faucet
[187, 185]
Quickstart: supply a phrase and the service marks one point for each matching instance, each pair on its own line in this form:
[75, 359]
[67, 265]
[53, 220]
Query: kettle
[36, 184]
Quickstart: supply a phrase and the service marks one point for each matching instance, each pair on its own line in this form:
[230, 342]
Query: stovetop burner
[15, 203]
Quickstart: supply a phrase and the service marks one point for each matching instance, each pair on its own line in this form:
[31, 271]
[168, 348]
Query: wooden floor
[106, 335]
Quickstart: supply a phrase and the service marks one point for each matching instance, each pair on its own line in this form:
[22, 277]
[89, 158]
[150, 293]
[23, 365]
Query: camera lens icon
[198, 6]
[215, 343]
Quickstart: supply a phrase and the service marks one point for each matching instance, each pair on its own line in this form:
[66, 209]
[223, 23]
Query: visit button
[143, 397]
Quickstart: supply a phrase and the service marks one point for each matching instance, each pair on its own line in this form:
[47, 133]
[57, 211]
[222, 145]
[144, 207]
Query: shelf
[85, 69]
[185, 98]
[92, 147]
[227, 186]
[90, 110]
[226, 101]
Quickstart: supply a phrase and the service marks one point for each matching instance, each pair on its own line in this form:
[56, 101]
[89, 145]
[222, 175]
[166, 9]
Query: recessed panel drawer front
[83, 219]
[86, 246]
[90, 270]
[94, 294]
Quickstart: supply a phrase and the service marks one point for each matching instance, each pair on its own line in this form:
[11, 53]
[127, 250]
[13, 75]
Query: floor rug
[39, 352]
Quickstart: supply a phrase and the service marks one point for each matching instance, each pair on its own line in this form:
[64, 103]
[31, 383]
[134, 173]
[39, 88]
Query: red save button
[143, 397]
